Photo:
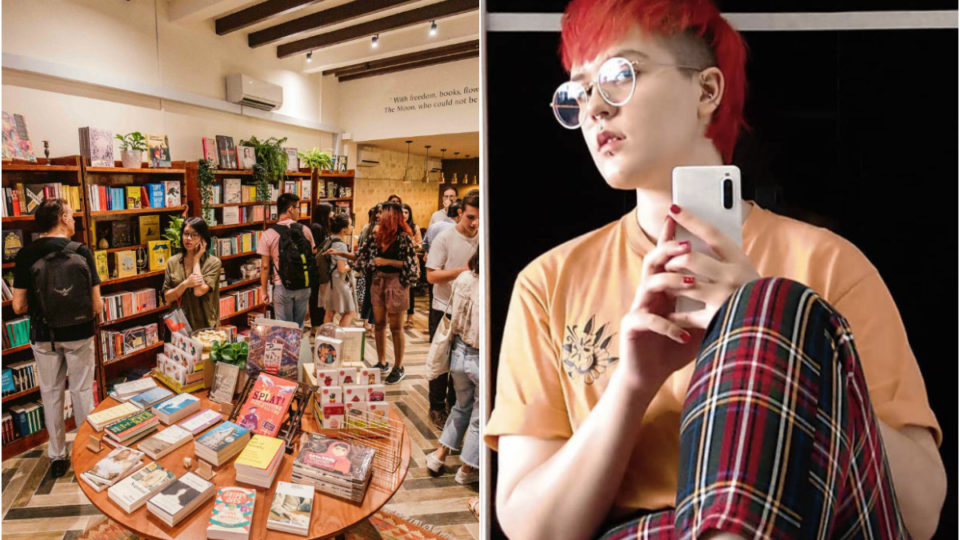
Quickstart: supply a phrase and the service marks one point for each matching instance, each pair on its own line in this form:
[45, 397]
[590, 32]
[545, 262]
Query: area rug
[382, 525]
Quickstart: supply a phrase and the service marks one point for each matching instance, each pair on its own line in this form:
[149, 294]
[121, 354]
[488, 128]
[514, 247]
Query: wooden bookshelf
[238, 255]
[21, 445]
[335, 199]
[216, 228]
[119, 169]
[239, 284]
[18, 395]
[241, 312]
[145, 275]
[135, 316]
[137, 211]
[134, 354]
[12, 350]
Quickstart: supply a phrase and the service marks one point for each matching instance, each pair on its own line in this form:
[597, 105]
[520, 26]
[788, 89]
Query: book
[145, 400]
[201, 421]
[12, 243]
[353, 344]
[225, 377]
[125, 262]
[172, 410]
[333, 466]
[100, 259]
[158, 147]
[159, 252]
[227, 152]
[127, 390]
[155, 195]
[231, 215]
[231, 190]
[16, 141]
[165, 441]
[328, 353]
[209, 145]
[172, 190]
[259, 461]
[128, 428]
[133, 491]
[180, 498]
[133, 197]
[34, 197]
[149, 228]
[221, 443]
[232, 514]
[293, 162]
[120, 234]
[291, 508]
[96, 146]
[115, 466]
[246, 157]
[274, 348]
[267, 404]
[100, 419]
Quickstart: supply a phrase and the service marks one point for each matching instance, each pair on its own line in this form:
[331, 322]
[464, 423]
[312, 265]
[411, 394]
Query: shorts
[386, 292]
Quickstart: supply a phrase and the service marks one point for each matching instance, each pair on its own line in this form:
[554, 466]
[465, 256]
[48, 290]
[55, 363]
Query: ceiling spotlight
[374, 41]
[433, 28]
[309, 56]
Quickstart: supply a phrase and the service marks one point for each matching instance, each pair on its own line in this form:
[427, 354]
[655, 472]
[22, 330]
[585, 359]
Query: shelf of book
[226, 205]
[134, 211]
[21, 445]
[238, 255]
[144, 275]
[20, 394]
[349, 173]
[138, 352]
[123, 248]
[241, 312]
[235, 226]
[238, 284]
[14, 219]
[142, 170]
[134, 317]
[16, 349]
[249, 172]
[34, 167]
[335, 199]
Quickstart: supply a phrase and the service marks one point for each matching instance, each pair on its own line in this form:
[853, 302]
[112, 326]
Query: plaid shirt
[778, 436]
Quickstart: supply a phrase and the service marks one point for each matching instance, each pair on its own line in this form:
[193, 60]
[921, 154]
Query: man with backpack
[287, 249]
[56, 281]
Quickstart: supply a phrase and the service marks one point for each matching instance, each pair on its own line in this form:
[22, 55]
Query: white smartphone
[712, 194]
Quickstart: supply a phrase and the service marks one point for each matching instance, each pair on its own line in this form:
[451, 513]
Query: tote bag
[438, 357]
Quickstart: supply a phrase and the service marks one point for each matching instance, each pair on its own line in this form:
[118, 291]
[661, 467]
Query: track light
[374, 41]
[433, 28]
[309, 56]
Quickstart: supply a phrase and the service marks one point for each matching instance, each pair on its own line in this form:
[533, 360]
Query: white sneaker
[434, 465]
[464, 478]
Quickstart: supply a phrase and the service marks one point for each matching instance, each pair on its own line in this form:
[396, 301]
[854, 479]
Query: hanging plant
[271, 163]
[205, 180]
[316, 160]
[173, 232]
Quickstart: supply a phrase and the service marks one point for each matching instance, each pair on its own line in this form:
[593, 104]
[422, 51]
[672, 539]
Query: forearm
[201, 289]
[442, 276]
[172, 294]
[570, 494]
[919, 479]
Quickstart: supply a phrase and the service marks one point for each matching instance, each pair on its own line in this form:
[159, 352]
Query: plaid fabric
[778, 438]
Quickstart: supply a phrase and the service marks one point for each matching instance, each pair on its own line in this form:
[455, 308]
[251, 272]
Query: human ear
[711, 85]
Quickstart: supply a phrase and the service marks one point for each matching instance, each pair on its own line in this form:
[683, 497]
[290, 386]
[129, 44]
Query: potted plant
[271, 163]
[317, 160]
[205, 179]
[172, 234]
[132, 146]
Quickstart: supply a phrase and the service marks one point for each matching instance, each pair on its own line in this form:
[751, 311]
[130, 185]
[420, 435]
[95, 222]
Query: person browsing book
[755, 416]
[286, 249]
[191, 278]
[55, 280]
[339, 297]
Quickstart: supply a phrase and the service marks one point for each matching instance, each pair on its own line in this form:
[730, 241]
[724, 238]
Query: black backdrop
[852, 130]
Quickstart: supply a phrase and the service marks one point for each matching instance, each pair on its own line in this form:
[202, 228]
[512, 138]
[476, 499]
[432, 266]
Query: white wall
[364, 103]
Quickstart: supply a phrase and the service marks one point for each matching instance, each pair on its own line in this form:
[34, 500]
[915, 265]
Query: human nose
[596, 107]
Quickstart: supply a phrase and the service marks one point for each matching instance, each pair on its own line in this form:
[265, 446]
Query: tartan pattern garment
[778, 438]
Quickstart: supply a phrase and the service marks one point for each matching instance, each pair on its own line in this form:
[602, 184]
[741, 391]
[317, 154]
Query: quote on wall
[468, 95]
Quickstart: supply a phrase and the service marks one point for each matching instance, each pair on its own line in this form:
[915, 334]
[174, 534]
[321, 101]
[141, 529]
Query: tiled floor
[37, 507]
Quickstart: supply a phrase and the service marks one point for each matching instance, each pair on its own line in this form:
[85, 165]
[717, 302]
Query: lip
[609, 141]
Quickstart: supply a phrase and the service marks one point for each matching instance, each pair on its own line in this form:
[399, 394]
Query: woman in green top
[192, 277]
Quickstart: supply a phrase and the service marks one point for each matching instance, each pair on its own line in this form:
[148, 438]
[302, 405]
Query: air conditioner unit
[246, 90]
[368, 158]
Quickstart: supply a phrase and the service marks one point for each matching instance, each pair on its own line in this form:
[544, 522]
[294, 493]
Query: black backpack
[62, 281]
[325, 263]
[297, 268]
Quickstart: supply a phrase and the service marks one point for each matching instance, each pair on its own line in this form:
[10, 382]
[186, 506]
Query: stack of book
[221, 443]
[133, 491]
[235, 301]
[114, 344]
[125, 304]
[180, 498]
[201, 421]
[131, 429]
[16, 198]
[232, 514]
[245, 242]
[126, 390]
[119, 463]
[16, 332]
[164, 442]
[22, 376]
[156, 195]
[28, 418]
[151, 397]
[259, 461]
[335, 467]
[101, 419]
[173, 410]
[9, 431]
[291, 508]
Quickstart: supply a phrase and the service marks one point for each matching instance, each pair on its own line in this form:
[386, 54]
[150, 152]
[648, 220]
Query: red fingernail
[688, 280]
[684, 244]
[674, 209]
[685, 336]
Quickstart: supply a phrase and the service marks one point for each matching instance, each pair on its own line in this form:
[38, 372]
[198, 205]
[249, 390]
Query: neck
[463, 230]
[57, 232]
[283, 216]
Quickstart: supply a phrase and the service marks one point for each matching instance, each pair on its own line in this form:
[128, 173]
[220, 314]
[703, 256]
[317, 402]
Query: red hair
[589, 26]
[390, 224]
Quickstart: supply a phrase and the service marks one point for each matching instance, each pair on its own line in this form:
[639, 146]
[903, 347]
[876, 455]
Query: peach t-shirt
[560, 339]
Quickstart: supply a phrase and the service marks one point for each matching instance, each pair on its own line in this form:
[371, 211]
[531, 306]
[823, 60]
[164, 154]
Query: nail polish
[684, 244]
[674, 209]
[685, 336]
[689, 280]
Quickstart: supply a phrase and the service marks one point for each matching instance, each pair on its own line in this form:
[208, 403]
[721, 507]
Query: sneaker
[439, 419]
[464, 478]
[396, 375]
[382, 366]
[59, 468]
[434, 465]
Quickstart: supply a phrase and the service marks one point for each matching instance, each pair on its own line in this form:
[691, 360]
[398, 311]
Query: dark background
[852, 130]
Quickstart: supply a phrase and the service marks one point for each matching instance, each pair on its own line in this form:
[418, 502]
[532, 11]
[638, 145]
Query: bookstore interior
[141, 115]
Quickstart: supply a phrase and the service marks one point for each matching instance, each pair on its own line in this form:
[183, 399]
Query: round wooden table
[331, 516]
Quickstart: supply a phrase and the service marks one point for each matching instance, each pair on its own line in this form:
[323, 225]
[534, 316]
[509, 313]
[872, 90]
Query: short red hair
[589, 26]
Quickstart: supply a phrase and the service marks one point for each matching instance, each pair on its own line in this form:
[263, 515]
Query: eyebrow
[622, 52]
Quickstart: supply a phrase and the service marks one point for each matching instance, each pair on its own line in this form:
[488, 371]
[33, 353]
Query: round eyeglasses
[616, 80]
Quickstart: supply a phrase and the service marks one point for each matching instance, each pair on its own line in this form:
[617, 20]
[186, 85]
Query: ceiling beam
[345, 12]
[258, 12]
[410, 65]
[437, 52]
[400, 20]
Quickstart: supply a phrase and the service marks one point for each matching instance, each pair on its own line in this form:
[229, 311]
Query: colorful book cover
[132, 489]
[259, 452]
[222, 436]
[159, 252]
[126, 263]
[149, 228]
[351, 462]
[11, 147]
[150, 397]
[292, 506]
[155, 194]
[233, 511]
[100, 145]
[12, 243]
[328, 352]
[175, 404]
[267, 404]
[274, 348]
[159, 148]
[209, 150]
[227, 152]
[133, 197]
[34, 193]
[130, 424]
[117, 462]
[172, 190]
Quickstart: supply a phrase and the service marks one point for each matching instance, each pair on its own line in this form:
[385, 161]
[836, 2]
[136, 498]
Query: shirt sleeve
[211, 272]
[529, 396]
[896, 387]
[309, 236]
[437, 256]
[21, 272]
[91, 263]
[339, 246]
[168, 280]
[266, 242]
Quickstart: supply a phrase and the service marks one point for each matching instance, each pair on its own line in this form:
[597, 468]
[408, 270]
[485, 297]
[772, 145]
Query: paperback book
[180, 498]
[115, 466]
[221, 443]
[291, 508]
[267, 404]
[159, 148]
[151, 397]
[133, 491]
[179, 406]
[201, 421]
[232, 514]
[164, 442]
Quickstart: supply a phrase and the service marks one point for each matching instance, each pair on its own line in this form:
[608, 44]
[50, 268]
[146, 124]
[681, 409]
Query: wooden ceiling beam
[400, 20]
[437, 52]
[258, 12]
[345, 12]
[410, 65]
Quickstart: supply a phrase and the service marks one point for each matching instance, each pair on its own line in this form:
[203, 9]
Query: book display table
[331, 516]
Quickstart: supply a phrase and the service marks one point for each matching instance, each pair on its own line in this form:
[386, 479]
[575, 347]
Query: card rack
[290, 427]
[385, 435]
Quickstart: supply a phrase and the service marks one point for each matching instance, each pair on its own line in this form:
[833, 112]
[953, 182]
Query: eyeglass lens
[615, 82]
